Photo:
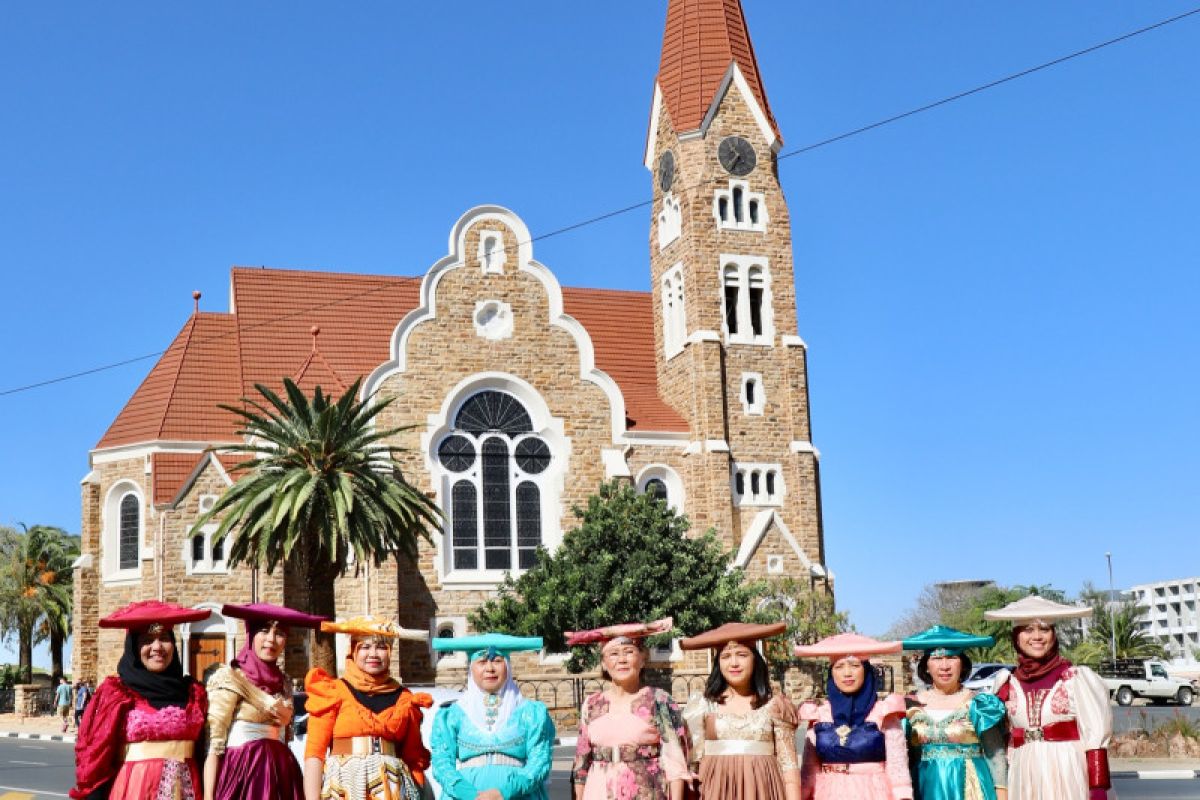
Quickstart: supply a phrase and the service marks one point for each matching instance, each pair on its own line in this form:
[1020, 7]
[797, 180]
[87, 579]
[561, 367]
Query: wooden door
[205, 651]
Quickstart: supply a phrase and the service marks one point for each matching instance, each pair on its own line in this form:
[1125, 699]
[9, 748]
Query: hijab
[266, 676]
[851, 710]
[1039, 673]
[364, 682]
[160, 689]
[474, 699]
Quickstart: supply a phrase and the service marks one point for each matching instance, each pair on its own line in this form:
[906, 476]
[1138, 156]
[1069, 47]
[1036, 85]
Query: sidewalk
[1176, 768]
[44, 727]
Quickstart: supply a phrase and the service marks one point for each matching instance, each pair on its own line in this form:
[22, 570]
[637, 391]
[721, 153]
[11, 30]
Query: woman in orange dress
[138, 737]
[364, 729]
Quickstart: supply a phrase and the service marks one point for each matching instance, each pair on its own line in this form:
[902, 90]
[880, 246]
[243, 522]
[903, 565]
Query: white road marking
[30, 792]
[28, 763]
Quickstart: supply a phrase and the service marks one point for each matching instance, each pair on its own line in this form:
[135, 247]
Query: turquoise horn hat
[489, 644]
[943, 641]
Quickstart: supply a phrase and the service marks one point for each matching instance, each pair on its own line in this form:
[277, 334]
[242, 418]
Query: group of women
[1040, 735]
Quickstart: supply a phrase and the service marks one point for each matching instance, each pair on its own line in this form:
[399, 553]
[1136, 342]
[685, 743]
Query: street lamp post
[1112, 623]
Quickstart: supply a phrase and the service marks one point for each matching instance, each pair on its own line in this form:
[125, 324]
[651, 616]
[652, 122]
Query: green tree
[810, 616]
[321, 482]
[630, 559]
[1131, 640]
[35, 591]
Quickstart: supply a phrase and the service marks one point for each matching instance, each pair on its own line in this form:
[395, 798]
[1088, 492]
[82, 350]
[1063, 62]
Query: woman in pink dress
[632, 739]
[855, 748]
[138, 737]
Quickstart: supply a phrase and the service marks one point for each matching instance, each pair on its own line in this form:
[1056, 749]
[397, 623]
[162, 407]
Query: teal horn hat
[488, 644]
[943, 641]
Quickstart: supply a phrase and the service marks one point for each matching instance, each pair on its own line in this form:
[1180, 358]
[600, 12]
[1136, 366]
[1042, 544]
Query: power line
[646, 203]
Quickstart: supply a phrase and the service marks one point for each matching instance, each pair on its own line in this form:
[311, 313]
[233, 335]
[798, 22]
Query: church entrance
[206, 652]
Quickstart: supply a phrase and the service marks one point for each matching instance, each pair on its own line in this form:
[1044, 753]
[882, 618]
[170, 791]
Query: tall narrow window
[198, 548]
[529, 523]
[723, 208]
[674, 314]
[497, 506]
[218, 550]
[732, 281]
[130, 536]
[465, 525]
[756, 301]
[751, 391]
[738, 200]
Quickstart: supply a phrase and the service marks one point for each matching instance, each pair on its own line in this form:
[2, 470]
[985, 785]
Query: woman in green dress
[956, 735]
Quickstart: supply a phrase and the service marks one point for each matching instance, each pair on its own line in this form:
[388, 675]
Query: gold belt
[362, 746]
[175, 750]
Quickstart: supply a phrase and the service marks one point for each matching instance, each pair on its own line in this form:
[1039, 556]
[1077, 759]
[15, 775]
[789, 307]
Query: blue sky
[1000, 296]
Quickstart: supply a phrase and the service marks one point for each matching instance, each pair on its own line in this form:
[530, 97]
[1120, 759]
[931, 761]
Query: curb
[44, 737]
[1157, 774]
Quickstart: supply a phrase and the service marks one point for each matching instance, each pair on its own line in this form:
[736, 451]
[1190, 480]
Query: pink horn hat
[847, 644]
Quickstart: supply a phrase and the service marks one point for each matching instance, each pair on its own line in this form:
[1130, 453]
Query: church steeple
[706, 48]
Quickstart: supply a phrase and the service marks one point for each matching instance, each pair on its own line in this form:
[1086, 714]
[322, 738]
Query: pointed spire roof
[316, 371]
[702, 39]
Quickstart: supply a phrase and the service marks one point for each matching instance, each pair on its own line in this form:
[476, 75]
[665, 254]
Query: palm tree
[1131, 640]
[35, 591]
[321, 482]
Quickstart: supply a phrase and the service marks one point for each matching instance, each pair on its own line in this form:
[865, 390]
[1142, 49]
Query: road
[31, 770]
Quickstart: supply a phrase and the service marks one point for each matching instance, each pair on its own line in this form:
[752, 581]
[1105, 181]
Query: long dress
[1070, 717]
[130, 750]
[515, 759]
[870, 764]
[959, 753]
[741, 756]
[367, 755]
[634, 754]
[242, 729]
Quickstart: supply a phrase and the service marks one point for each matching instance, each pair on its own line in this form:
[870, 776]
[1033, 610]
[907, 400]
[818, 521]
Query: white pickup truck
[1127, 679]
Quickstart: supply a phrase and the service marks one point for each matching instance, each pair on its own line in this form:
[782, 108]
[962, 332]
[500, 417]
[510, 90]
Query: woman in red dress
[138, 737]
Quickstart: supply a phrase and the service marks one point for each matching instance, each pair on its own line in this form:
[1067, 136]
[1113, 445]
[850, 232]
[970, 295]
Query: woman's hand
[489, 794]
[283, 712]
[783, 710]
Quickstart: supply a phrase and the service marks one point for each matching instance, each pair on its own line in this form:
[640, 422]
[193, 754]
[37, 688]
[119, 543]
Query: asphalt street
[33, 770]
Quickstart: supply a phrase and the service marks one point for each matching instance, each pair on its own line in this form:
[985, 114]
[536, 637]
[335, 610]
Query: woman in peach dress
[632, 739]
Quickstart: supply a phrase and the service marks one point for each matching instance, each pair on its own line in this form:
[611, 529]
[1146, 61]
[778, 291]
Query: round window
[457, 453]
[533, 455]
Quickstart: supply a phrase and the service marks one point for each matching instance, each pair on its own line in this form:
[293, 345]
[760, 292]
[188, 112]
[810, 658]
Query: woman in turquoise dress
[493, 744]
[957, 736]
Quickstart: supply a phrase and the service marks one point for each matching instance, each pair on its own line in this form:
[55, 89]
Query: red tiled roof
[217, 358]
[701, 39]
[178, 399]
[170, 471]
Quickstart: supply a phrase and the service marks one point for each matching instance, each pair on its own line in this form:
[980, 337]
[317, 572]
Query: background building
[1170, 614]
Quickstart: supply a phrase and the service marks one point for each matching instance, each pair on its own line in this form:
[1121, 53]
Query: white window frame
[207, 565]
[670, 221]
[110, 550]
[755, 408]
[450, 660]
[743, 267]
[666, 474]
[550, 482]
[761, 497]
[740, 190]
[492, 255]
[674, 312]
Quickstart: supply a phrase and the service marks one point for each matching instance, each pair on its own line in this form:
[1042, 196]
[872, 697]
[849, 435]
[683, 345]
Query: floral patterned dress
[631, 754]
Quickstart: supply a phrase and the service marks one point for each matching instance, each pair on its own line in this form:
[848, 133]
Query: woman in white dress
[1058, 713]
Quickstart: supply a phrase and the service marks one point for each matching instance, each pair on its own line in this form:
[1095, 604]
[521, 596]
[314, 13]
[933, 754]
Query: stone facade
[489, 318]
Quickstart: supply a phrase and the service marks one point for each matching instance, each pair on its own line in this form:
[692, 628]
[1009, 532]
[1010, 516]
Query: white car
[983, 676]
[441, 696]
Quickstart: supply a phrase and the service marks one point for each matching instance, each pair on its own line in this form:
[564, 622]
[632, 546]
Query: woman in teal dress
[957, 739]
[493, 744]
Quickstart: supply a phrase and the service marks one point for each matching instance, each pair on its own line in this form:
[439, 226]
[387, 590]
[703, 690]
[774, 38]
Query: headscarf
[1034, 672]
[473, 699]
[160, 689]
[266, 676]
[364, 682]
[851, 710]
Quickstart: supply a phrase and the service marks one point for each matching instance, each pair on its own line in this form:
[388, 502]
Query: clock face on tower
[666, 171]
[736, 155]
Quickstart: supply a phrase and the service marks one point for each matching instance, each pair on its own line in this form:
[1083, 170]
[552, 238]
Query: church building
[522, 395]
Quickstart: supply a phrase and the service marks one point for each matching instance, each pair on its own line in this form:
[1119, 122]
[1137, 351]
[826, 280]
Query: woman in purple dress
[250, 710]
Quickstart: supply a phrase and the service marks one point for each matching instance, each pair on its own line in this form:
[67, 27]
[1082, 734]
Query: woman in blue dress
[957, 736]
[493, 744]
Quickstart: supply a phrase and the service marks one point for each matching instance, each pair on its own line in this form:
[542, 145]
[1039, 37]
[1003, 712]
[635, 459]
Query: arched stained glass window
[657, 488]
[493, 411]
[496, 462]
[130, 536]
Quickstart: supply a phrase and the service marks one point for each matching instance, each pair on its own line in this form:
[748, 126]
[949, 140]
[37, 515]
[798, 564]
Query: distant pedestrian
[62, 701]
[83, 693]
